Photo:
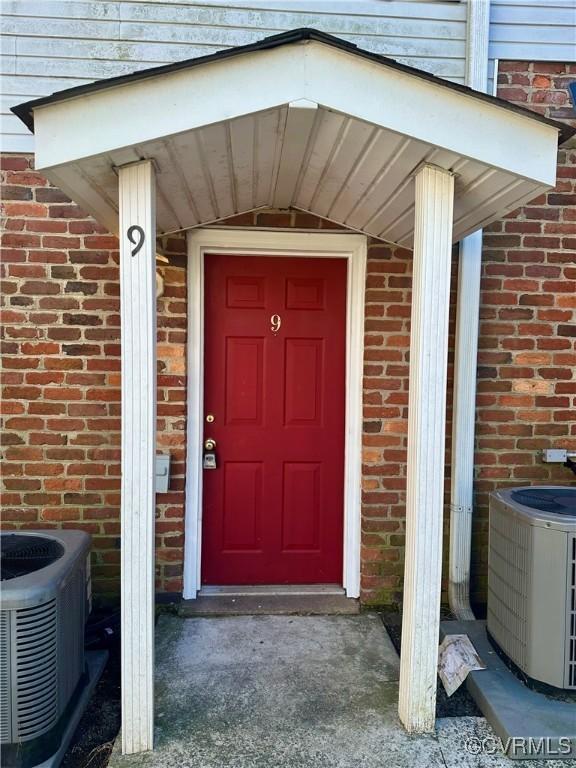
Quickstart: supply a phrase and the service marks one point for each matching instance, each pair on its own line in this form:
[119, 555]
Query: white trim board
[279, 243]
[336, 79]
[272, 590]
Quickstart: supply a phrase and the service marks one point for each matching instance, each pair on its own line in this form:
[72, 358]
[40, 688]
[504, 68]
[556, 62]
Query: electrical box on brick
[162, 472]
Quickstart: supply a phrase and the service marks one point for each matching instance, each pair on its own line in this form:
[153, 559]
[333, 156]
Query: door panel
[242, 508]
[303, 382]
[273, 507]
[301, 506]
[244, 381]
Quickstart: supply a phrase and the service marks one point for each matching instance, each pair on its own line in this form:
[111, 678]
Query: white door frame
[250, 242]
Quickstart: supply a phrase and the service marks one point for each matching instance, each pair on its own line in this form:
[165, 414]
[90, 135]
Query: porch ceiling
[316, 126]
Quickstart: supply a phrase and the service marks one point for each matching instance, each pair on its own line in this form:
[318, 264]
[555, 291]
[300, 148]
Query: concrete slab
[530, 723]
[292, 692]
[266, 691]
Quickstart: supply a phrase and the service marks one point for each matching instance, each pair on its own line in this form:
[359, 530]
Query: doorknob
[209, 444]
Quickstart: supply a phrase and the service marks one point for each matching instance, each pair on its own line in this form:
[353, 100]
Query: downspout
[466, 352]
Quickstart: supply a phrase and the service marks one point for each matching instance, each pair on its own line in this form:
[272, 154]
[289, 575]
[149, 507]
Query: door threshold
[271, 600]
[269, 590]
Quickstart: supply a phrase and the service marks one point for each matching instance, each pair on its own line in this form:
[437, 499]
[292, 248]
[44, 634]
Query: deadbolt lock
[209, 444]
[210, 418]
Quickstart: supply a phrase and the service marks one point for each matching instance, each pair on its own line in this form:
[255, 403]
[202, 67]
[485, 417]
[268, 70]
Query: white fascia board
[431, 113]
[141, 111]
[132, 114]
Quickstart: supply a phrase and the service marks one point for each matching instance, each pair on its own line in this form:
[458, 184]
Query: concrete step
[284, 604]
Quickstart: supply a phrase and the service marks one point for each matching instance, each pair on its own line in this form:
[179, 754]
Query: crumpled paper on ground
[456, 657]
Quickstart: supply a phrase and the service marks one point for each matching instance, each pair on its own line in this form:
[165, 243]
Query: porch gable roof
[300, 120]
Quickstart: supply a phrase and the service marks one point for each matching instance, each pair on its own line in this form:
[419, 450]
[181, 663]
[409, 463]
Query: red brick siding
[61, 358]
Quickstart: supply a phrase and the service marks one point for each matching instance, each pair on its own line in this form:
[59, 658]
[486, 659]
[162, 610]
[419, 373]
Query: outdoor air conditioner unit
[532, 581]
[45, 597]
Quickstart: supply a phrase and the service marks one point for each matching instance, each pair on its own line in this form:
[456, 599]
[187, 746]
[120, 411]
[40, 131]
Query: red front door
[274, 383]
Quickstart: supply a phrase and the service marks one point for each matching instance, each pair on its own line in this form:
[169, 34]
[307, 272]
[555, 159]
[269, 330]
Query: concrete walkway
[291, 692]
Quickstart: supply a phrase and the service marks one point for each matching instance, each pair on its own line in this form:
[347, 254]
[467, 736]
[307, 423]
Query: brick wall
[386, 382]
[61, 360]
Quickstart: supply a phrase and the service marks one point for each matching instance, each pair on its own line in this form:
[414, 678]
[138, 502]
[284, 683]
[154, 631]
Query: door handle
[209, 444]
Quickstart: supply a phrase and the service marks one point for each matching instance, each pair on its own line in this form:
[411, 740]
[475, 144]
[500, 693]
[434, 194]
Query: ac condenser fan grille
[25, 554]
[560, 501]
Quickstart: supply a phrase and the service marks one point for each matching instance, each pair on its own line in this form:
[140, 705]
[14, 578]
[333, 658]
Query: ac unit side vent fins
[572, 622]
[5, 685]
[42, 624]
[531, 611]
[36, 649]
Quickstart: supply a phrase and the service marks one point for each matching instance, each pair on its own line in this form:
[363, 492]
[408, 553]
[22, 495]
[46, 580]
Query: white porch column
[138, 337]
[426, 446]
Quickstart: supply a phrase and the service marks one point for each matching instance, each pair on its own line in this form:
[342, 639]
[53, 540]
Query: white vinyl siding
[49, 45]
[534, 30]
